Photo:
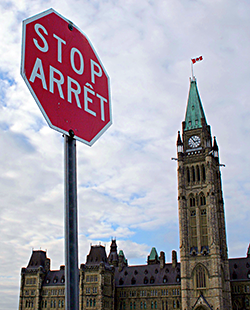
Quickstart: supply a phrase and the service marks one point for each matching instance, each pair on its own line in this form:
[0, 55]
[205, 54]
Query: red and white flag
[194, 60]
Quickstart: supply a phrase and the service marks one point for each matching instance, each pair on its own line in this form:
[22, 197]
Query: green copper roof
[122, 254]
[153, 254]
[194, 112]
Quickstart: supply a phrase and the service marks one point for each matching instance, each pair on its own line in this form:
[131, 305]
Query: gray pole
[71, 232]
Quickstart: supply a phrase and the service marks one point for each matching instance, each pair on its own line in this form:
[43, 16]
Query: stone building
[203, 279]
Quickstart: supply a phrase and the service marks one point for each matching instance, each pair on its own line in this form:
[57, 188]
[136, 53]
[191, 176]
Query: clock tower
[205, 282]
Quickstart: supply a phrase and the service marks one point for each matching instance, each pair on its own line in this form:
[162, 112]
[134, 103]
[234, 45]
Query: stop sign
[65, 76]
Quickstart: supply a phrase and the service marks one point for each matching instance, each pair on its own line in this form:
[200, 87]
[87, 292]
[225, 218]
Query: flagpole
[192, 69]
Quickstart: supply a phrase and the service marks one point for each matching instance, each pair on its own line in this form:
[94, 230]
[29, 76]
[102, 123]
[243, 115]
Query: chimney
[174, 259]
[162, 260]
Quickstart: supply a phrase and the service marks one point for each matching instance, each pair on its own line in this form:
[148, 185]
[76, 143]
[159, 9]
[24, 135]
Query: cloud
[127, 184]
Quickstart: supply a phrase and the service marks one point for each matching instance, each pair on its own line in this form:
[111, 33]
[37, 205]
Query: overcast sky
[127, 184]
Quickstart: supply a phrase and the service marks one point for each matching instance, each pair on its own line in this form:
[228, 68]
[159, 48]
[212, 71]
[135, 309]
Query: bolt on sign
[65, 76]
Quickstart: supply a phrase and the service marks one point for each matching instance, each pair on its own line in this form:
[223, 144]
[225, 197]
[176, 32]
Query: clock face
[194, 141]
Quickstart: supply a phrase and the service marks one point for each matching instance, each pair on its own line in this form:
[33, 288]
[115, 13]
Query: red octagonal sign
[65, 76]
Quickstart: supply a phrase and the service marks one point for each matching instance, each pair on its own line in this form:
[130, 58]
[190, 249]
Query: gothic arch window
[200, 277]
[202, 200]
[188, 175]
[133, 281]
[165, 279]
[121, 281]
[152, 280]
[203, 227]
[193, 228]
[192, 201]
[198, 172]
[145, 280]
[203, 173]
[247, 302]
[193, 174]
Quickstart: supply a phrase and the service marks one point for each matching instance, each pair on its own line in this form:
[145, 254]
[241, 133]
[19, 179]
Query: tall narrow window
[200, 277]
[188, 175]
[193, 228]
[203, 227]
[202, 200]
[203, 173]
[198, 172]
[193, 173]
[192, 201]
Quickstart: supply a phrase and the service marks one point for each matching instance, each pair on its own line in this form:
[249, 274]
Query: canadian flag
[196, 59]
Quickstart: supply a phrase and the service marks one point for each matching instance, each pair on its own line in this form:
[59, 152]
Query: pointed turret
[215, 148]
[179, 143]
[195, 116]
[113, 256]
[153, 257]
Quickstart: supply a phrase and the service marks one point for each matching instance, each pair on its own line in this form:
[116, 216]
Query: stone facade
[203, 279]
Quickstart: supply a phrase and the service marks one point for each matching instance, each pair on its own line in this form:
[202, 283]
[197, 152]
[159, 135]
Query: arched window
[87, 303]
[141, 305]
[247, 302]
[155, 304]
[198, 172]
[121, 281]
[193, 174]
[200, 277]
[178, 304]
[145, 305]
[203, 227]
[165, 279]
[94, 302]
[152, 280]
[203, 173]
[174, 304]
[188, 175]
[202, 200]
[152, 305]
[134, 305]
[145, 280]
[193, 228]
[90, 302]
[192, 201]
[133, 281]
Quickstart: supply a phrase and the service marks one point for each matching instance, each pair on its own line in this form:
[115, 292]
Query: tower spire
[195, 116]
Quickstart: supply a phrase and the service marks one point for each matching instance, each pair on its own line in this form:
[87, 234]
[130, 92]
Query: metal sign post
[71, 238]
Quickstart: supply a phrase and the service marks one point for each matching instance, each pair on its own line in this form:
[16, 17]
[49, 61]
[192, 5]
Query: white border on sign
[33, 18]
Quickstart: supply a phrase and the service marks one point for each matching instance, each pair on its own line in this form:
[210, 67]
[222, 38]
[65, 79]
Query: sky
[127, 182]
